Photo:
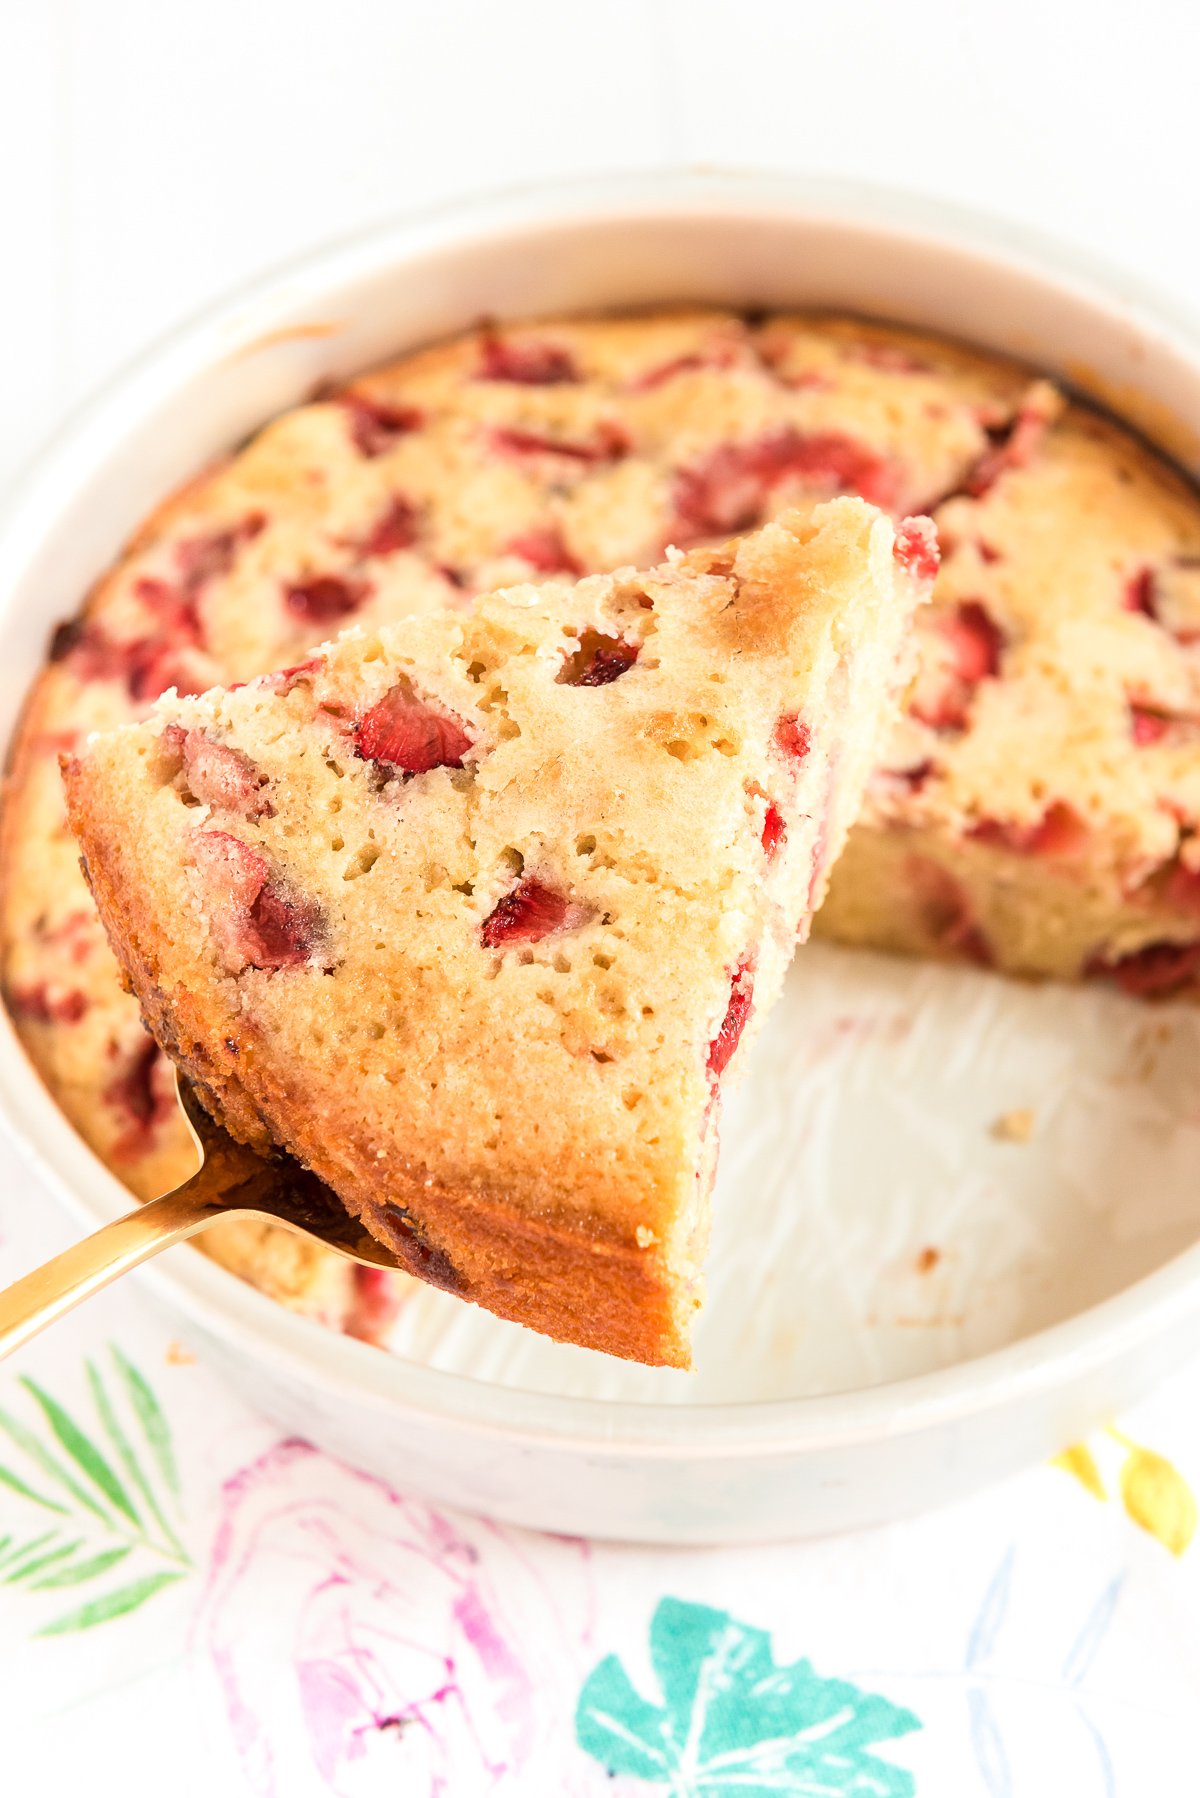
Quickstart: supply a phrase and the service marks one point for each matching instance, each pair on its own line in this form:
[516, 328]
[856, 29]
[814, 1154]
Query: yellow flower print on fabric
[1153, 1491]
[1157, 1496]
[1081, 1462]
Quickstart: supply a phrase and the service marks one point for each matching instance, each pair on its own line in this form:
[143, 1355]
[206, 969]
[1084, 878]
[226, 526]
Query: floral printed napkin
[190, 1603]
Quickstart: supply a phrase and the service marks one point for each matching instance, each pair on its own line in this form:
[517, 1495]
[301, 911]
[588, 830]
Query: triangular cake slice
[474, 913]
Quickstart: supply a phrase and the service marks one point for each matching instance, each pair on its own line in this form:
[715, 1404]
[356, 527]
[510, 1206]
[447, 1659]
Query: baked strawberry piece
[476, 914]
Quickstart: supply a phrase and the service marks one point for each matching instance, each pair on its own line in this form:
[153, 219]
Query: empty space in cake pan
[922, 1163]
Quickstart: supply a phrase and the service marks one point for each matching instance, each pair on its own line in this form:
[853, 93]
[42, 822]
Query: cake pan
[1067, 1303]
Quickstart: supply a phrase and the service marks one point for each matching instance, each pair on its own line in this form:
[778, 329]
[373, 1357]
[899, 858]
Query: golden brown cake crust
[594, 1290]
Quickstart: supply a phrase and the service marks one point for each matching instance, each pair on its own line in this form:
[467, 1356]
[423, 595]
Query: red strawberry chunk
[175, 614]
[1059, 832]
[65, 639]
[971, 645]
[1151, 973]
[256, 924]
[160, 656]
[717, 355]
[44, 1003]
[150, 668]
[1147, 725]
[230, 866]
[418, 1256]
[737, 1013]
[157, 660]
[326, 599]
[903, 780]
[174, 605]
[212, 556]
[147, 665]
[284, 679]
[945, 910]
[774, 831]
[376, 1304]
[530, 912]
[143, 1097]
[280, 932]
[941, 704]
[1182, 888]
[375, 426]
[916, 548]
[1139, 594]
[730, 488]
[608, 445]
[404, 732]
[1168, 595]
[73, 936]
[793, 738]
[1013, 446]
[529, 361]
[599, 661]
[217, 774]
[976, 641]
[545, 551]
[395, 530]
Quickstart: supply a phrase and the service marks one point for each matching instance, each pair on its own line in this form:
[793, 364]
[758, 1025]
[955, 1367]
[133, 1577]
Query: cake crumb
[178, 1356]
[928, 1259]
[644, 1236]
[1014, 1126]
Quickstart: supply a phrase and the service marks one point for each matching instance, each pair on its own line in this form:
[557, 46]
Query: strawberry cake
[473, 912]
[1037, 810]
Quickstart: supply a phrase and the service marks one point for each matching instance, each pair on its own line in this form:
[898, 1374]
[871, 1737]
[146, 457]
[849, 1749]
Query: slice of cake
[474, 913]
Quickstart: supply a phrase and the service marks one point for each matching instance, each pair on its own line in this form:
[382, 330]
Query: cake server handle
[232, 1181]
[217, 1191]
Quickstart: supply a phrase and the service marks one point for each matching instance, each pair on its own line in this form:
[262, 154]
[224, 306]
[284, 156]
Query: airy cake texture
[473, 912]
[1037, 810]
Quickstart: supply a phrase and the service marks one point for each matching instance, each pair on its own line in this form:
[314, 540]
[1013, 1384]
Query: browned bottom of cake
[567, 1278]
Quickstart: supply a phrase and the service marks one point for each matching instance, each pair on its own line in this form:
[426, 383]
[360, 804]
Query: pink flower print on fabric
[354, 1636]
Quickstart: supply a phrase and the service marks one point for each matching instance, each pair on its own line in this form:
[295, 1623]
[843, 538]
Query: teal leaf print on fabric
[733, 1724]
[101, 1494]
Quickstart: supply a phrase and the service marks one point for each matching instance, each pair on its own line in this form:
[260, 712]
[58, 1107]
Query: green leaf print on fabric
[102, 1497]
[113, 1604]
[732, 1724]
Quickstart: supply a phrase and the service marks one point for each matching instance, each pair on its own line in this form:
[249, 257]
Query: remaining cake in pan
[472, 912]
[1038, 809]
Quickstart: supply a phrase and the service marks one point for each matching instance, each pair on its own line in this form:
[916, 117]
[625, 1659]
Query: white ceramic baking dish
[836, 1419]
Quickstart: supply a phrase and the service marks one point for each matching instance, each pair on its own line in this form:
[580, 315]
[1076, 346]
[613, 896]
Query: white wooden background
[154, 153]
